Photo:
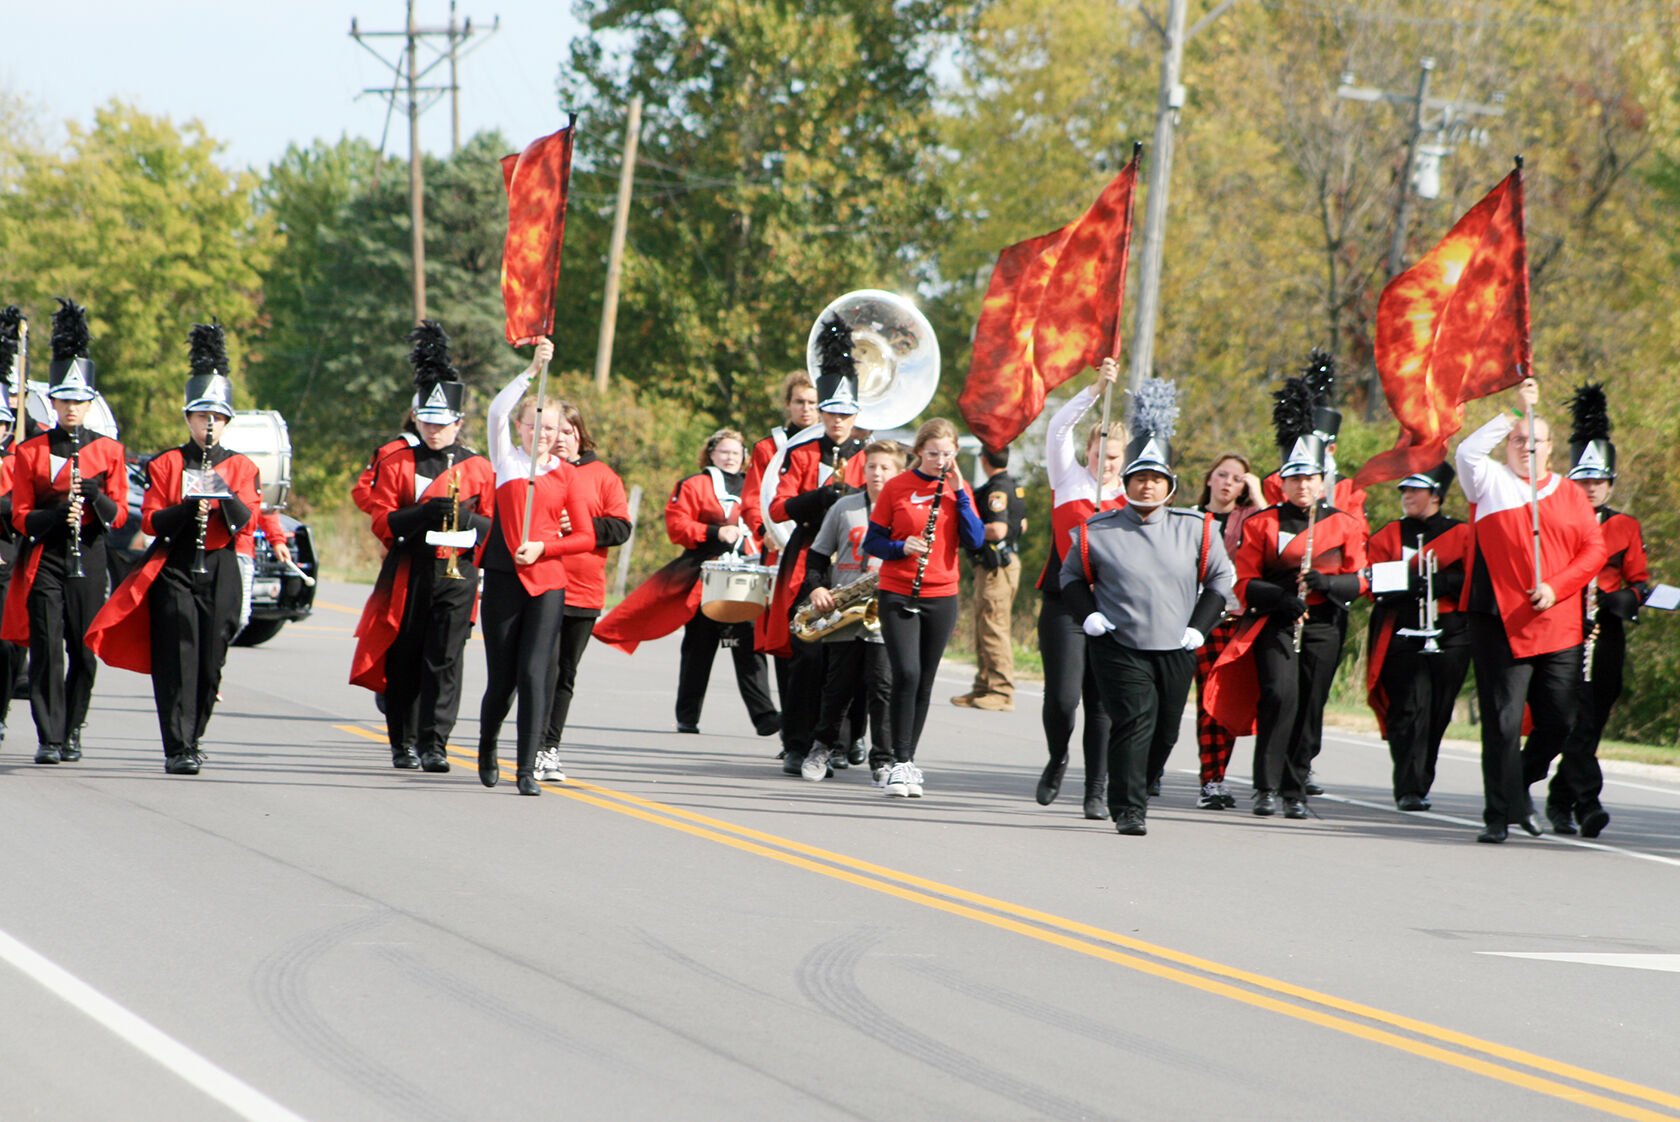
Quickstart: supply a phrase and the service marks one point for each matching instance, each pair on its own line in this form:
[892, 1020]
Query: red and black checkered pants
[1213, 740]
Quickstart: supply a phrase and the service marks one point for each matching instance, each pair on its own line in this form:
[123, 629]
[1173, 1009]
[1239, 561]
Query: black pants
[1578, 785]
[61, 668]
[1549, 684]
[575, 632]
[194, 618]
[857, 673]
[1068, 678]
[14, 661]
[521, 633]
[1422, 689]
[802, 694]
[1144, 693]
[423, 666]
[701, 637]
[915, 643]
[1293, 690]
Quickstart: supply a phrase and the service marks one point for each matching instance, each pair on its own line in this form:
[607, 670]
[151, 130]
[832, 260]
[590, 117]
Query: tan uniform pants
[994, 649]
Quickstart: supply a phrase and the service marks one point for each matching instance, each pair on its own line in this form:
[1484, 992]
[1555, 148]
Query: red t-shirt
[902, 511]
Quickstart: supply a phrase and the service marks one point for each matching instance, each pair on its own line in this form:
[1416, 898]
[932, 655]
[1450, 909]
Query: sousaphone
[896, 353]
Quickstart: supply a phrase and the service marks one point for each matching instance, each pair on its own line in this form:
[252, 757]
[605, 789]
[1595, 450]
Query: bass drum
[734, 591]
[99, 418]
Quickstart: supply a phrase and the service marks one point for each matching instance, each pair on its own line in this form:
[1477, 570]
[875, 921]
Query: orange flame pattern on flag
[1052, 309]
[537, 182]
[1452, 328]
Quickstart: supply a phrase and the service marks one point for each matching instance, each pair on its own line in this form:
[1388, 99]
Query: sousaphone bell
[895, 352]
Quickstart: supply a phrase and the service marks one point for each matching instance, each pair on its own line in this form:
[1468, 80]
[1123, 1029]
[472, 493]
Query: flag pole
[536, 430]
[1119, 299]
[1533, 467]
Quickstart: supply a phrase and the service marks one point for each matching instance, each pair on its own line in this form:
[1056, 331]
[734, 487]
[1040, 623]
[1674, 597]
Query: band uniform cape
[121, 634]
[698, 506]
[1233, 688]
[40, 477]
[1451, 548]
[395, 486]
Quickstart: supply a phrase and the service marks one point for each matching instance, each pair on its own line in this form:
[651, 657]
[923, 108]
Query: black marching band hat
[1436, 479]
[438, 389]
[1320, 376]
[1591, 454]
[1152, 419]
[11, 340]
[837, 380]
[1305, 418]
[70, 377]
[209, 388]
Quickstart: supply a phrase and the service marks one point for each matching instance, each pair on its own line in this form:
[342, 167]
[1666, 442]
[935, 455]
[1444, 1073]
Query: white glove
[1097, 625]
[1192, 639]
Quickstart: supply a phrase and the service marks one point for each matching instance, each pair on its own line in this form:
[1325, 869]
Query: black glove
[1262, 596]
[405, 522]
[812, 505]
[1337, 586]
[438, 511]
[93, 486]
[1622, 603]
[1290, 607]
[171, 520]
[1317, 581]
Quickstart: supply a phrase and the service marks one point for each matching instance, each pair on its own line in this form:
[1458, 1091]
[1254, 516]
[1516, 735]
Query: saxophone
[452, 569]
[853, 604]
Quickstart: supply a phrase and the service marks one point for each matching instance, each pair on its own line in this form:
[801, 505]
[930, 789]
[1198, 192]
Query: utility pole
[1420, 174]
[407, 73]
[1169, 104]
[615, 254]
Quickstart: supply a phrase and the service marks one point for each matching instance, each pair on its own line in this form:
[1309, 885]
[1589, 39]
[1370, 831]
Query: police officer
[997, 574]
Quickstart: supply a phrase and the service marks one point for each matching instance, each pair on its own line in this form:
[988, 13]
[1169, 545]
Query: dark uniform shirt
[1001, 500]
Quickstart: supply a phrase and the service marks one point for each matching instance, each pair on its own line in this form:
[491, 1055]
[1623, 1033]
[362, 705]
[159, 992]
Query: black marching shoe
[793, 762]
[404, 758]
[1312, 786]
[690, 729]
[1412, 802]
[72, 750]
[1594, 821]
[1155, 787]
[857, 753]
[1050, 783]
[528, 785]
[1560, 818]
[489, 769]
[1531, 825]
[769, 726]
[1096, 800]
[186, 763]
[1265, 803]
[1492, 834]
[434, 760]
[49, 753]
[1130, 822]
[1294, 808]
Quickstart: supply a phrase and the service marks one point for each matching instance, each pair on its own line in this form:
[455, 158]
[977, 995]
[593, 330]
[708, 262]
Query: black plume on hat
[70, 331]
[1590, 414]
[834, 349]
[430, 356]
[11, 325]
[1292, 412]
[1320, 376]
[207, 349]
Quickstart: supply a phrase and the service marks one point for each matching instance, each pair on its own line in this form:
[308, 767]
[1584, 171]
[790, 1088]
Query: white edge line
[227, 1089]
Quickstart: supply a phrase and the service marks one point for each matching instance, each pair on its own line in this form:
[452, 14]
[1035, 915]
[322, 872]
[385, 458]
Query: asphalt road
[681, 932]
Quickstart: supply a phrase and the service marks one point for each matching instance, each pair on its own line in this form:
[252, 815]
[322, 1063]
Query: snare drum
[735, 591]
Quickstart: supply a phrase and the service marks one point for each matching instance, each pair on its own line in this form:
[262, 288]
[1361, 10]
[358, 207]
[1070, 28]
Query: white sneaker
[548, 766]
[898, 781]
[878, 777]
[815, 767]
[915, 785]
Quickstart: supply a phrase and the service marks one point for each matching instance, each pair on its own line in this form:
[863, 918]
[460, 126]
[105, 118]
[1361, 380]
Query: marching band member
[12, 329]
[1525, 640]
[1575, 789]
[601, 494]
[1298, 566]
[174, 615]
[1230, 492]
[856, 656]
[69, 488]
[1148, 583]
[1077, 491]
[412, 636]
[525, 576]
[1413, 680]
[703, 516]
[814, 473]
[915, 531]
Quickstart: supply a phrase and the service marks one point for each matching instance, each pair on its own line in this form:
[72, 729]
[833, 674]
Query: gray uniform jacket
[1142, 575]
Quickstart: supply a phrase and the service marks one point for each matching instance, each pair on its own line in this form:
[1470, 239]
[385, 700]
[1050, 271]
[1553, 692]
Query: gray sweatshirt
[1142, 575]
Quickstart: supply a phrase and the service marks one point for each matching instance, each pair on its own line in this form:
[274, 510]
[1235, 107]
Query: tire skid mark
[710, 973]
[280, 986]
[828, 978]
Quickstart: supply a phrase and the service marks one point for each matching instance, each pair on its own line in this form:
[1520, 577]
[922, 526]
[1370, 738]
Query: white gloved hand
[1096, 625]
[1192, 639]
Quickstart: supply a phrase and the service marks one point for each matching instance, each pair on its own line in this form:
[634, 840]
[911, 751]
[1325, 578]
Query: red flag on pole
[537, 182]
[1453, 328]
[1052, 309]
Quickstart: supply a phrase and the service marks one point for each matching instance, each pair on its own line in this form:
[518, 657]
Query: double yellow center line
[1514, 1066]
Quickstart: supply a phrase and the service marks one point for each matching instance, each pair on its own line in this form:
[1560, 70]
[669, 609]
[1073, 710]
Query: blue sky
[263, 73]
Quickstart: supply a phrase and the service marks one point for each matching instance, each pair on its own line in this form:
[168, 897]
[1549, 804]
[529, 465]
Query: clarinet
[1591, 642]
[76, 504]
[205, 468]
[928, 534]
[1306, 567]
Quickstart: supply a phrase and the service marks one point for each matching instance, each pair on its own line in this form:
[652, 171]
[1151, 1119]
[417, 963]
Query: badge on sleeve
[997, 502]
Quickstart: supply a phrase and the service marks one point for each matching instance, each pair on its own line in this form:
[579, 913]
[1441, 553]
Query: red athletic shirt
[902, 511]
[598, 489]
[553, 494]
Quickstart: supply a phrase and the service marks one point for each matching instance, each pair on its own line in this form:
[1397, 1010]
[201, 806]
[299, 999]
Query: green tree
[136, 220]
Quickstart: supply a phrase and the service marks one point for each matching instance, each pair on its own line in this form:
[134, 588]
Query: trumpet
[76, 504]
[452, 568]
[1428, 565]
